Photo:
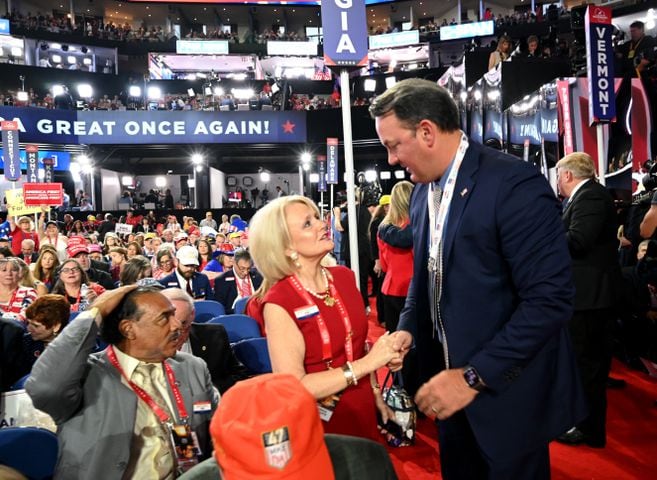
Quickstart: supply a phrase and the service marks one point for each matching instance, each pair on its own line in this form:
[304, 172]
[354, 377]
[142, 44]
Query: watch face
[471, 377]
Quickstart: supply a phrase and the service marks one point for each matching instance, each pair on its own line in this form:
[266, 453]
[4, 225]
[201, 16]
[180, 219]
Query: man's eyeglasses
[70, 270]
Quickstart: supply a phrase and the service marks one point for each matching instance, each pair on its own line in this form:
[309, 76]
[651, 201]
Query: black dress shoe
[615, 382]
[571, 437]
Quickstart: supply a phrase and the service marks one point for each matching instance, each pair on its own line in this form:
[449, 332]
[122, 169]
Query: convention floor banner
[39, 125]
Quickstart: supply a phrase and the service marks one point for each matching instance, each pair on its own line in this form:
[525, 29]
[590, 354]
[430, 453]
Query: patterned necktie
[145, 376]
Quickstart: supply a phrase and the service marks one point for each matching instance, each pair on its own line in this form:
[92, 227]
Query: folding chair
[238, 327]
[240, 305]
[207, 309]
[30, 450]
[254, 354]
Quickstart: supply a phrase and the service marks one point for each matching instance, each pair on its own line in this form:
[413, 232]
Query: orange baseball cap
[268, 427]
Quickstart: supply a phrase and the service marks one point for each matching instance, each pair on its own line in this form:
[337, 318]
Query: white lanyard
[437, 224]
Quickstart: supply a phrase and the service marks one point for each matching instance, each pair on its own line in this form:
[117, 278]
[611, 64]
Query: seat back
[207, 309]
[20, 383]
[254, 354]
[238, 327]
[30, 450]
[240, 305]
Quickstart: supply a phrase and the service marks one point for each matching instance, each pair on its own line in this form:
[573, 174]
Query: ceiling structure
[159, 159]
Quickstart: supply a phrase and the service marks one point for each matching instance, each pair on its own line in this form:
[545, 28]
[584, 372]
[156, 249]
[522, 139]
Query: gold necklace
[329, 301]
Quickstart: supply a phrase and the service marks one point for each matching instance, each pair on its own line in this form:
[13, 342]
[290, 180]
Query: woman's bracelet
[349, 375]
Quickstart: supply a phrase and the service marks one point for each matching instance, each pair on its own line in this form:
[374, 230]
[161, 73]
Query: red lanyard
[11, 302]
[327, 352]
[157, 410]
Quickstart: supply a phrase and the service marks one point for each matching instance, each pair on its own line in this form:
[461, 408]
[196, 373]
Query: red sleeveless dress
[355, 413]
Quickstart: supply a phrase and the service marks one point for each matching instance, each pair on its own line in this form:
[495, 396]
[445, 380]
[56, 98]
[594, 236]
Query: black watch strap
[473, 379]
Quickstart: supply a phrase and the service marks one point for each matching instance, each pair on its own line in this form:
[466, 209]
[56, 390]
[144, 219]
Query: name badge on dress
[306, 312]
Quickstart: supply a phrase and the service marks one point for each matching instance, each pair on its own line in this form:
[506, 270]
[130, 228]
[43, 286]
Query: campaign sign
[321, 165]
[4, 26]
[332, 156]
[345, 33]
[600, 64]
[123, 228]
[32, 163]
[11, 148]
[16, 205]
[43, 194]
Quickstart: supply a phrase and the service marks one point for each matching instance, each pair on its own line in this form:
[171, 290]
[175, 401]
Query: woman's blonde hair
[400, 201]
[269, 238]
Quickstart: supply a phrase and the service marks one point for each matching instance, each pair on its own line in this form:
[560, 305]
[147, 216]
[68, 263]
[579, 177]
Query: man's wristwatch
[473, 379]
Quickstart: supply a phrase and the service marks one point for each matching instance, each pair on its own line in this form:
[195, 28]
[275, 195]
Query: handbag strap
[395, 378]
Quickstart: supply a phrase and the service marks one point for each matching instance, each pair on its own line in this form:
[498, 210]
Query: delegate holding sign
[600, 64]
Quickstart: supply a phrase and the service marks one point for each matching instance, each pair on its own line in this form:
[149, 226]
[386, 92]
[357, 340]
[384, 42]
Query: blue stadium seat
[238, 327]
[240, 305]
[30, 450]
[20, 383]
[207, 309]
[254, 354]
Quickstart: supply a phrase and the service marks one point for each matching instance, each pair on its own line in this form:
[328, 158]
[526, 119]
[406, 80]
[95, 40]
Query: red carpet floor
[631, 451]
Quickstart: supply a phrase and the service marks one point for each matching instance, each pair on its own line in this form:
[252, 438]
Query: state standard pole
[349, 173]
[602, 154]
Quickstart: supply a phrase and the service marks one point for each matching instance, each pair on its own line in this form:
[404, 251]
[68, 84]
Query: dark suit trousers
[460, 457]
[590, 331]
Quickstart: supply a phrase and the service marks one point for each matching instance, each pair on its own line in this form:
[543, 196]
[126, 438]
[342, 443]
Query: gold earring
[294, 256]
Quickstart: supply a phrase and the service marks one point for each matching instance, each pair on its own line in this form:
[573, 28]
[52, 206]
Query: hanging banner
[600, 64]
[97, 127]
[332, 155]
[563, 95]
[48, 164]
[32, 173]
[321, 165]
[11, 150]
[43, 194]
[345, 33]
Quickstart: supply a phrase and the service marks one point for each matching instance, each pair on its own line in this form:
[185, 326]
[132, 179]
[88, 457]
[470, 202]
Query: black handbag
[399, 432]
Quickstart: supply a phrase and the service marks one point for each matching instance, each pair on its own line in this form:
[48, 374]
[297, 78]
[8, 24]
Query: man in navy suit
[238, 282]
[186, 277]
[491, 295]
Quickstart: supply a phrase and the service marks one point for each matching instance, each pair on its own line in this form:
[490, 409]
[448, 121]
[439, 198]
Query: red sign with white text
[43, 194]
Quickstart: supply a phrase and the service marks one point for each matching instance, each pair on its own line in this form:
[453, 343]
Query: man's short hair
[638, 24]
[180, 295]
[128, 309]
[580, 164]
[413, 100]
[242, 255]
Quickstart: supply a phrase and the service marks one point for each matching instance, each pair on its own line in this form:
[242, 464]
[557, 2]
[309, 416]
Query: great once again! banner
[39, 125]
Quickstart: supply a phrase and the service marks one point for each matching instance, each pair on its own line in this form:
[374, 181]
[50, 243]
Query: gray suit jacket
[94, 412]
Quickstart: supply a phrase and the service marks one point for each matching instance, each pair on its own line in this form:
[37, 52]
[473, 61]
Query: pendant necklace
[329, 301]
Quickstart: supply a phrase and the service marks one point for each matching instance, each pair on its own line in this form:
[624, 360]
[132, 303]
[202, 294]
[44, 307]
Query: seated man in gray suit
[131, 410]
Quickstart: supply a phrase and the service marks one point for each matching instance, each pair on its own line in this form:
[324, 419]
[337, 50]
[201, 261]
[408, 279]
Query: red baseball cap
[76, 245]
[268, 427]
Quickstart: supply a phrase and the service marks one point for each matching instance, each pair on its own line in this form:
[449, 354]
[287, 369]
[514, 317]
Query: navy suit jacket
[507, 299]
[225, 289]
[200, 285]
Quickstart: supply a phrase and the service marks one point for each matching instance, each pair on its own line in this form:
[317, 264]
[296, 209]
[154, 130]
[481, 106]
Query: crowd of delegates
[80, 260]
[90, 28]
